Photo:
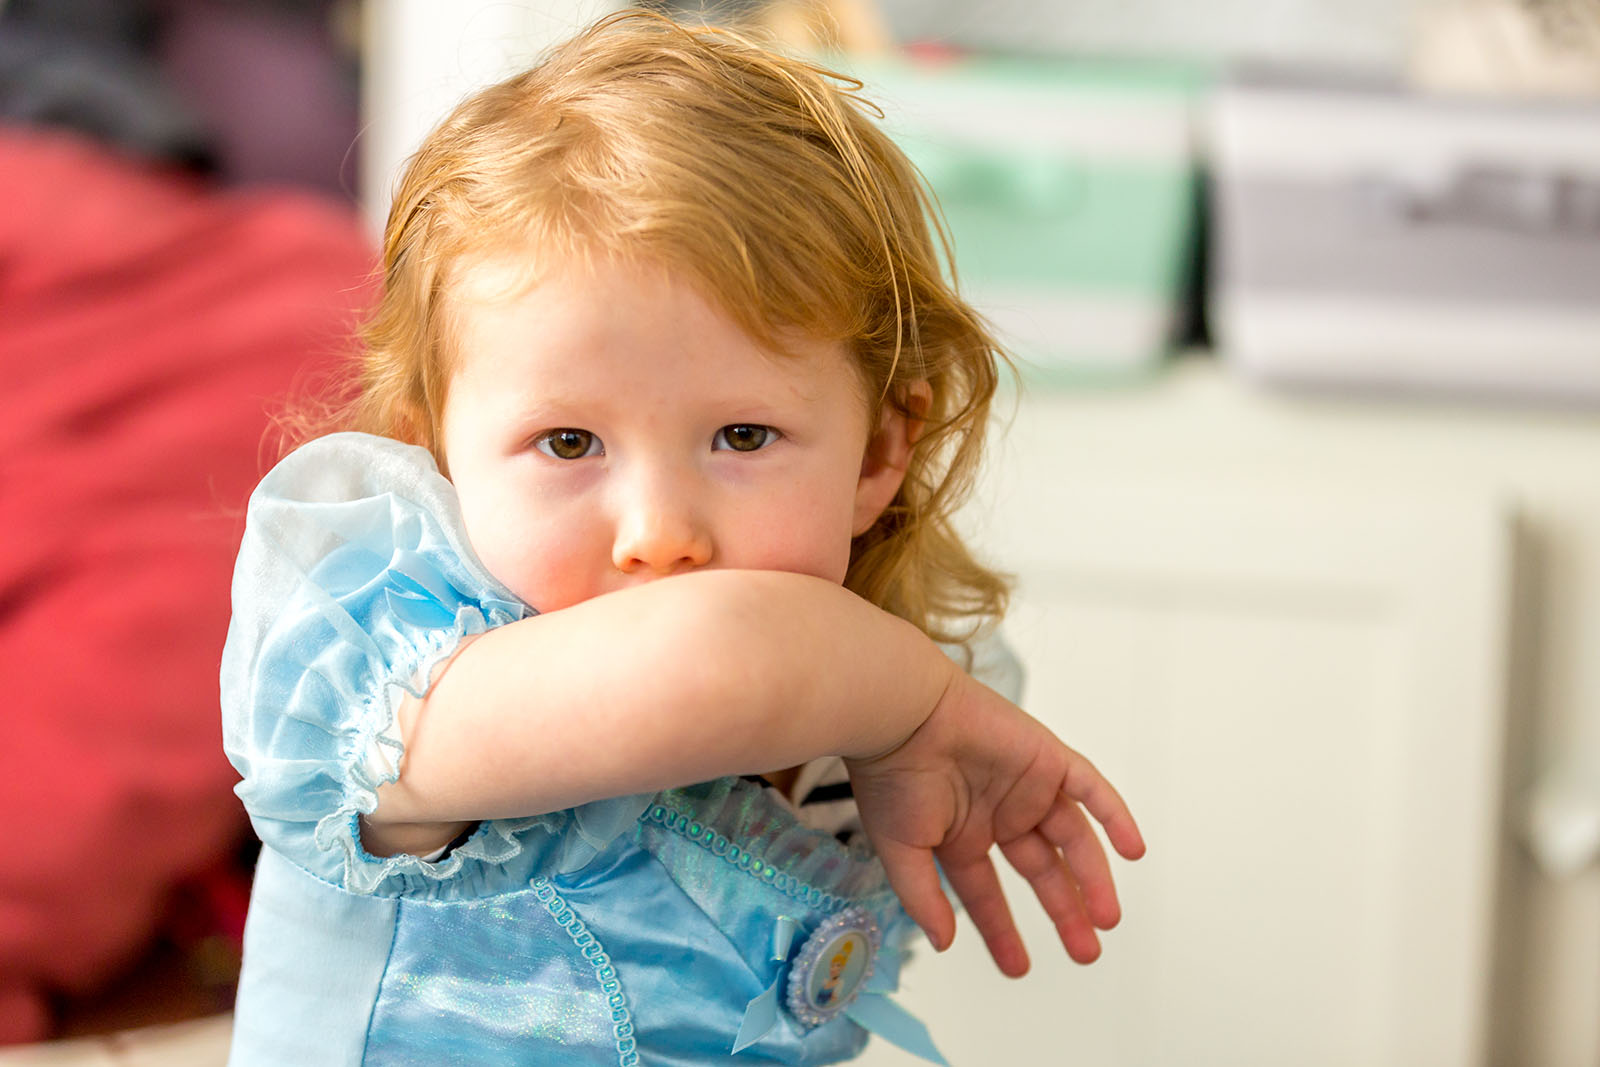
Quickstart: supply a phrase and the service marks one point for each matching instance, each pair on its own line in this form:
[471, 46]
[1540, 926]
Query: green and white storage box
[1071, 193]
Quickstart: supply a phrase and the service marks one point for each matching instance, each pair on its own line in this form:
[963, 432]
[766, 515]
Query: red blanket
[149, 325]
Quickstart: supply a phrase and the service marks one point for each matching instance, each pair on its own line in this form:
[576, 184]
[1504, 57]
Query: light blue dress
[652, 929]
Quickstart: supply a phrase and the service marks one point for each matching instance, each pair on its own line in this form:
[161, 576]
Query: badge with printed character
[833, 965]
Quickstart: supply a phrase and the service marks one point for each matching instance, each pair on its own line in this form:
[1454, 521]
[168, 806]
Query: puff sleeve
[354, 580]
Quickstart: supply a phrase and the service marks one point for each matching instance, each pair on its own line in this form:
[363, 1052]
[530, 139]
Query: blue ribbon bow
[872, 1010]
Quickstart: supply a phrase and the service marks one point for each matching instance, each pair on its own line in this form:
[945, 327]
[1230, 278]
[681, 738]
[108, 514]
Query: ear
[883, 467]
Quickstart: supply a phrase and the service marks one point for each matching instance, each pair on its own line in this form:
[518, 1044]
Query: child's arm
[672, 682]
[728, 672]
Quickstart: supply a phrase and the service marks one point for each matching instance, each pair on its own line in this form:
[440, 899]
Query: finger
[915, 880]
[976, 883]
[1090, 788]
[1040, 862]
[1037, 860]
[1066, 828]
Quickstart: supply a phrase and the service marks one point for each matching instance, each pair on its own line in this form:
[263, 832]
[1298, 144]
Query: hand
[981, 772]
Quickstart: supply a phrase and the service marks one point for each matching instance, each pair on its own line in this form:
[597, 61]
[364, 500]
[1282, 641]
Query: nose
[660, 531]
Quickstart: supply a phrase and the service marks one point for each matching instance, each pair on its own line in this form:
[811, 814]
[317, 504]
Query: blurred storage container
[1071, 193]
[1373, 237]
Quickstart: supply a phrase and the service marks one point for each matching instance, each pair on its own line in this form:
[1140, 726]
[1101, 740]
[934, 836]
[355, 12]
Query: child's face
[609, 426]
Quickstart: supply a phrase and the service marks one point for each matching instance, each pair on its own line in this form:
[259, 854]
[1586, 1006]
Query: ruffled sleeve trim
[354, 583]
[495, 842]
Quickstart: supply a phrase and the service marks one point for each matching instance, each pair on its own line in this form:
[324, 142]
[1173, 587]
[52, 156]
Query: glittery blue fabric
[631, 931]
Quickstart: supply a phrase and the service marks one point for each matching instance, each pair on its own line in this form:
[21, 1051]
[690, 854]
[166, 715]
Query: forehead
[576, 303]
[503, 272]
[586, 320]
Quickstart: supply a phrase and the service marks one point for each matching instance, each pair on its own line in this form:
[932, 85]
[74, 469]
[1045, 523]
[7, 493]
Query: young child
[665, 306]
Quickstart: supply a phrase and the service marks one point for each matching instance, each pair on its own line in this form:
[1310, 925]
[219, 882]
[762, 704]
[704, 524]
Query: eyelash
[592, 446]
[721, 442]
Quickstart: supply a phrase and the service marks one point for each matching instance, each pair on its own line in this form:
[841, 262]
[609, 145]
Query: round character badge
[833, 965]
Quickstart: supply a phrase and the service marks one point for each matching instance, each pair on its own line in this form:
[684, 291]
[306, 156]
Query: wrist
[928, 683]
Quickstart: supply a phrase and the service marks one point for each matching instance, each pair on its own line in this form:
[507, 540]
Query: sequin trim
[718, 845]
[590, 949]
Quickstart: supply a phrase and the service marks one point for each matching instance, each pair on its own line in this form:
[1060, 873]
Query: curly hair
[762, 178]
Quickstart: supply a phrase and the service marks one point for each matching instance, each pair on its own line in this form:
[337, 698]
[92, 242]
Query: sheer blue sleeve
[354, 581]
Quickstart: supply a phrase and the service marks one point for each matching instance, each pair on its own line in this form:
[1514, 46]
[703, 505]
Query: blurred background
[1300, 479]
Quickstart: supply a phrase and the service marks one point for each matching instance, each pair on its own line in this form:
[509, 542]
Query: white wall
[421, 57]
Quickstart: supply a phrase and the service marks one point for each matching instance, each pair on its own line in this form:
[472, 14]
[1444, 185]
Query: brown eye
[569, 444]
[744, 437]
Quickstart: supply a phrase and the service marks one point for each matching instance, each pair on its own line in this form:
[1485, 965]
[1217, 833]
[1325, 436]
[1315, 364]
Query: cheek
[807, 533]
[545, 562]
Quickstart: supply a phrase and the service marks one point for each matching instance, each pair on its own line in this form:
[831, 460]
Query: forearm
[708, 674]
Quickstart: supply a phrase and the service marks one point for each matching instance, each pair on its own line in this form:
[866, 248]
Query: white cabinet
[1288, 630]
